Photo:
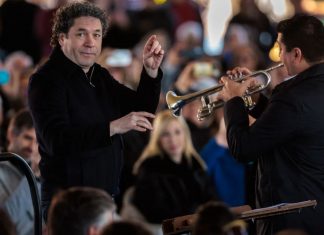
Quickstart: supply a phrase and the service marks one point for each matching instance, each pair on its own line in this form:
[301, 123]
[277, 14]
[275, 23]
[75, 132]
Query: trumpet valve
[205, 109]
[204, 112]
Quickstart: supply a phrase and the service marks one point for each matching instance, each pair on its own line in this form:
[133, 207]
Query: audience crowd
[183, 166]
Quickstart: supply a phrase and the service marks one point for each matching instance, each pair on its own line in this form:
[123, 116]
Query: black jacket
[165, 189]
[288, 142]
[72, 121]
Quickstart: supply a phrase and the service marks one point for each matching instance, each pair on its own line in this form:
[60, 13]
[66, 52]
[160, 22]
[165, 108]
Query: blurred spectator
[250, 26]
[2, 129]
[129, 24]
[215, 218]
[196, 76]
[14, 78]
[17, 31]
[22, 141]
[186, 47]
[125, 227]
[122, 33]
[171, 177]
[249, 56]
[256, 22]
[79, 211]
[123, 65]
[20, 66]
[6, 225]
[183, 11]
[21, 136]
[43, 27]
[228, 175]
[236, 35]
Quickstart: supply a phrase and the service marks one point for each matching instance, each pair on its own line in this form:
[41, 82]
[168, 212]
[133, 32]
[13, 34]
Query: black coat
[165, 189]
[288, 142]
[72, 122]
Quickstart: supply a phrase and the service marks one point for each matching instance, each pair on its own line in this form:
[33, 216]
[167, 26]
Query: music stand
[183, 224]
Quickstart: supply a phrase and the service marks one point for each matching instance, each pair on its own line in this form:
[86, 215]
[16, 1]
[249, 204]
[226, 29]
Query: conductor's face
[82, 44]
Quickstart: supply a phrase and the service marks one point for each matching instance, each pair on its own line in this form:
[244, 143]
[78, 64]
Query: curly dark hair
[65, 15]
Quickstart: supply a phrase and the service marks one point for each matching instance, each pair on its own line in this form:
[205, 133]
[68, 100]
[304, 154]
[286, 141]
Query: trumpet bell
[174, 103]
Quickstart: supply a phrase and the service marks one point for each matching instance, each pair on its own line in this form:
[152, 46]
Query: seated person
[216, 218]
[171, 176]
[80, 211]
[21, 139]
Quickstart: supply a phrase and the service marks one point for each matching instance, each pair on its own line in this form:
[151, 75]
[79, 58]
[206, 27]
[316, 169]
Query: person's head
[249, 56]
[78, 29]
[215, 218]
[171, 137]
[300, 40]
[21, 135]
[80, 211]
[125, 227]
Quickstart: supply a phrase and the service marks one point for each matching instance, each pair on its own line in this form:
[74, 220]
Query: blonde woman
[171, 177]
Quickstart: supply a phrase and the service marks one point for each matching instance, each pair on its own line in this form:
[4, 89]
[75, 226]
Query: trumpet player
[287, 138]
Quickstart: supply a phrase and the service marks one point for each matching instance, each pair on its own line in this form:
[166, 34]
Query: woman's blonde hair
[153, 148]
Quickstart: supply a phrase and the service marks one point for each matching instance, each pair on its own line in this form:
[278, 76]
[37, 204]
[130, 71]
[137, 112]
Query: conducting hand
[152, 56]
[138, 121]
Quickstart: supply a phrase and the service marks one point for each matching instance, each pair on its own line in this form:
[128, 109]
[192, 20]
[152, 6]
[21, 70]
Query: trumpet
[175, 103]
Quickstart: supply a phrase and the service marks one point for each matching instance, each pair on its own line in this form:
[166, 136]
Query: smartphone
[119, 58]
[4, 77]
[203, 69]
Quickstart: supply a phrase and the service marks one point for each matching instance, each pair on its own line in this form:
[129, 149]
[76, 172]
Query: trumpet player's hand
[238, 72]
[232, 88]
[139, 121]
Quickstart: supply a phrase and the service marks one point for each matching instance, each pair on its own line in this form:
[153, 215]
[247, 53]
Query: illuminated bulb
[274, 53]
[159, 2]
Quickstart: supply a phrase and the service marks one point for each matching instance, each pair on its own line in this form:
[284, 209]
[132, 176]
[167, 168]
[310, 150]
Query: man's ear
[61, 38]
[298, 55]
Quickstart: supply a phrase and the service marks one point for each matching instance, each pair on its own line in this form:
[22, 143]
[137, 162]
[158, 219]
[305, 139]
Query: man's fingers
[154, 46]
[238, 72]
[150, 41]
[144, 123]
[141, 122]
[145, 114]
